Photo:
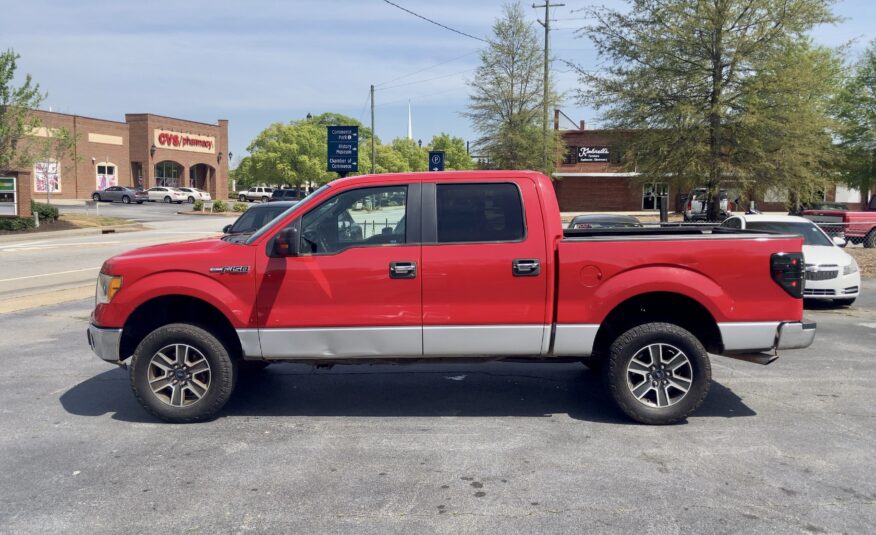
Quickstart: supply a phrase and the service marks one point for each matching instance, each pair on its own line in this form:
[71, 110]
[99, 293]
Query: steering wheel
[315, 238]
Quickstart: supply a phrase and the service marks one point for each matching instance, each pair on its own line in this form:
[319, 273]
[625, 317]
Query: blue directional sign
[436, 160]
[343, 149]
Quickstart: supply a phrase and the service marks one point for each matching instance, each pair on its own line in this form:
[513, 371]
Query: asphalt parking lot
[511, 448]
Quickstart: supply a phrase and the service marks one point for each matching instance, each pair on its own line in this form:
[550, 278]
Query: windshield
[256, 217]
[812, 235]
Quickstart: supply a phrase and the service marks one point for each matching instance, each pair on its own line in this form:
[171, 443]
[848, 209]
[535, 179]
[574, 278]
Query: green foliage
[220, 206]
[507, 93]
[16, 223]
[16, 121]
[856, 112]
[455, 156]
[46, 212]
[716, 90]
[240, 207]
[198, 205]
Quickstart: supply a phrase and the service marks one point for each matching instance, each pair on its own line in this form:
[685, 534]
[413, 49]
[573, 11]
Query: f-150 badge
[230, 269]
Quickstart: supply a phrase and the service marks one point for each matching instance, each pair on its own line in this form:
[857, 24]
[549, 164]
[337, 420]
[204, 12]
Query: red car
[856, 227]
[448, 265]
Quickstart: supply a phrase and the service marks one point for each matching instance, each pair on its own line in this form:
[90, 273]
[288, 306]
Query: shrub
[47, 212]
[198, 206]
[16, 223]
[240, 207]
[219, 206]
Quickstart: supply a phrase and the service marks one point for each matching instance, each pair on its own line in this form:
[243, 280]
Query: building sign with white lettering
[592, 154]
[165, 139]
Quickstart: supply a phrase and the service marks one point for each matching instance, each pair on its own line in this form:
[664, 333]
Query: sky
[257, 62]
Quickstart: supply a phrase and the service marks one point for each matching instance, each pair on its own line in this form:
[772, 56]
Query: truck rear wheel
[658, 373]
[182, 373]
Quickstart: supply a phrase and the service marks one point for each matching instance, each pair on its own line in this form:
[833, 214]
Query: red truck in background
[452, 265]
[855, 226]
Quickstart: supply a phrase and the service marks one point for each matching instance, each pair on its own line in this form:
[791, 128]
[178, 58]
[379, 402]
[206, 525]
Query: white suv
[256, 194]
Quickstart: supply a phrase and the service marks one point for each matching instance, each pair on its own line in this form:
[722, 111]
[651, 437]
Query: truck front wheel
[182, 373]
[658, 373]
[870, 240]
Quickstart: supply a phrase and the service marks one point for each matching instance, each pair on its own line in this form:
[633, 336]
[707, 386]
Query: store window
[107, 175]
[650, 194]
[47, 177]
[168, 174]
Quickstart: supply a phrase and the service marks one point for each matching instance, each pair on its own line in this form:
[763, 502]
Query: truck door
[355, 289]
[484, 258]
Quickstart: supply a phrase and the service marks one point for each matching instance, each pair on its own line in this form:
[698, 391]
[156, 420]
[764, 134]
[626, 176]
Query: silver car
[120, 194]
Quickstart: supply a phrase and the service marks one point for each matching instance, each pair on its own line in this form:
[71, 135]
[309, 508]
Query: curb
[55, 234]
[221, 214]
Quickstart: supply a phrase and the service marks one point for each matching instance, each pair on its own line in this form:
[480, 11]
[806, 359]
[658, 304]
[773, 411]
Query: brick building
[144, 151]
[591, 178]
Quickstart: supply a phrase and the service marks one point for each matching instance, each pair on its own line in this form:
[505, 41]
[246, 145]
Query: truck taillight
[787, 270]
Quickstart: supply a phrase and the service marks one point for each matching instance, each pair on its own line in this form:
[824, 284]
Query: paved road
[53, 270]
[508, 448]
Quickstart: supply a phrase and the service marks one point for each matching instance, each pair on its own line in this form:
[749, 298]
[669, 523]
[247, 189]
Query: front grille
[818, 292]
[821, 273]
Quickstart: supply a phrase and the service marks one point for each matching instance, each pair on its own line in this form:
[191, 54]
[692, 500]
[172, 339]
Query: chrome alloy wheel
[659, 375]
[179, 375]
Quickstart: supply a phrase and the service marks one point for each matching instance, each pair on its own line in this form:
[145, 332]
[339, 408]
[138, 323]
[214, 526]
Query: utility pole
[373, 149]
[546, 84]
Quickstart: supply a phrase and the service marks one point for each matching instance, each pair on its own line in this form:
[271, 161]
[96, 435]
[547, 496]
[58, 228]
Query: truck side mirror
[286, 242]
[226, 229]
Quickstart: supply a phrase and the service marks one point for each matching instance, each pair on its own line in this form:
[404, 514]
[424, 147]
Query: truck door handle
[402, 270]
[526, 267]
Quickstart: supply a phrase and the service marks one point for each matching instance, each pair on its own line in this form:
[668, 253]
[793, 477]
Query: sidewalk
[58, 234]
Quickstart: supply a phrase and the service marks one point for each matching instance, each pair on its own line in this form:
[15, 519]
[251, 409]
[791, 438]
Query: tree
[706, 84]
[49, 155]
[16, 121]
[856, 112]
[506, 100]
[414, 156]
[456, 157]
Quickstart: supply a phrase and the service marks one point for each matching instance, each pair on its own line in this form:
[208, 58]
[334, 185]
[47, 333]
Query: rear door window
[480, 213]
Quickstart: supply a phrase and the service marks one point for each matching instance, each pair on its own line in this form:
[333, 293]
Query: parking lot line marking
[49, 274]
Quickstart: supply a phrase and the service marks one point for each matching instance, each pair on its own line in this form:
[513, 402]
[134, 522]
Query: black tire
[845, 302]
[95, 197]
[265, 199]
[241, 198]
[167, 199]
[126, 199]
[222, 369]
[191, 199]
[870, 240]
[638, 339]
[139, 202]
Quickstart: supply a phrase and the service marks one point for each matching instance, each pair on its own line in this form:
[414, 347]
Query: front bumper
[105, 342]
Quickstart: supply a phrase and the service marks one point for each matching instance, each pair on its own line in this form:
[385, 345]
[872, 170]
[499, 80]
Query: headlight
[107, 287]
[851, 268]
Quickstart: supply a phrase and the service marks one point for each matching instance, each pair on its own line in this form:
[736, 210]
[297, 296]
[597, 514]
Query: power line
[425, 80]
[434, 22]
[418, 71]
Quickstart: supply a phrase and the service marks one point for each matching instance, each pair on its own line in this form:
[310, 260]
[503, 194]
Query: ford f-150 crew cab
[454, 265]
[853, 226]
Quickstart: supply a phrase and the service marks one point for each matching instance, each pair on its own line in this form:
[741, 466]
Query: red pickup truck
[448, 266]
[856, 227]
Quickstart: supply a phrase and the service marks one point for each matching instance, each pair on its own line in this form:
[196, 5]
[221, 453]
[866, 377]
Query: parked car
[195, 194]
[831, 273]
[189, 315]
[286, 195]
[258, 216]
[120, 194]
[696, 206]
[604, 221]
[853, 226]
[259, 193]
[166, 194]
